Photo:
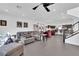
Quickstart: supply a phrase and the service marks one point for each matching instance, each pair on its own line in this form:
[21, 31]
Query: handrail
[72, 35]
[75, 23]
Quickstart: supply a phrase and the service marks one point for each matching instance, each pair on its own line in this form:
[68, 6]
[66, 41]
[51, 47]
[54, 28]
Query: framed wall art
[3, 23]
[25, 24]
[19, 24]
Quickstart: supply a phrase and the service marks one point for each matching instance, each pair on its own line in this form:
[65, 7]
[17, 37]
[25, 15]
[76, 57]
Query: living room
[27, 24]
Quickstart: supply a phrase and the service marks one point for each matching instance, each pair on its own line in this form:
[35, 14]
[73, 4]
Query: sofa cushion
[9, 48]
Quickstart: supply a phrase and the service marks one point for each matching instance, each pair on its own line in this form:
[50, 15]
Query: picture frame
[25, 24]
[19, 24]
[3, 23]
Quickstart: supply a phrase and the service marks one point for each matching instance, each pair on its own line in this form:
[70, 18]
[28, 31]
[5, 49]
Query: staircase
[74, 37]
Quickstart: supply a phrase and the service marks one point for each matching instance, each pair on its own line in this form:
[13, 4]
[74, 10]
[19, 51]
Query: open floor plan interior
[39, 29]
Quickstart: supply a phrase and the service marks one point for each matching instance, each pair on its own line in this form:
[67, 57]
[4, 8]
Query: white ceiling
[58, 11]
[74, 12]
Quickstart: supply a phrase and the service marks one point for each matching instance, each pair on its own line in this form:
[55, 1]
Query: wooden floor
[53, 47]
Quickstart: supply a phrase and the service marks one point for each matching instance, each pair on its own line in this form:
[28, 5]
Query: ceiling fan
[45, 5]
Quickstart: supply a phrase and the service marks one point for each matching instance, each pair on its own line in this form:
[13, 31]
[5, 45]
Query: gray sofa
[12, 49]
[28, 37]
[25, 40]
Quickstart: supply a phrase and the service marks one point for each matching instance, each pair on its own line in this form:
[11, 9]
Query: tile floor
[53, 47]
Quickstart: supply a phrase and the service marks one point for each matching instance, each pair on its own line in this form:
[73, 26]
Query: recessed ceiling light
[54, 9]
[6, 10]
[23, 15]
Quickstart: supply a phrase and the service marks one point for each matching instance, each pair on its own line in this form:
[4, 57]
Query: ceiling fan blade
[35, 7]
[47, 9]
[47, 4]
[51, 3]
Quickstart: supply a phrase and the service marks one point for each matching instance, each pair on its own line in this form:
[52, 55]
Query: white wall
[11, 24]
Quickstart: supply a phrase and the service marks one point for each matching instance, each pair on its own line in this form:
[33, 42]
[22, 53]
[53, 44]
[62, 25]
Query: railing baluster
[72, 33]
